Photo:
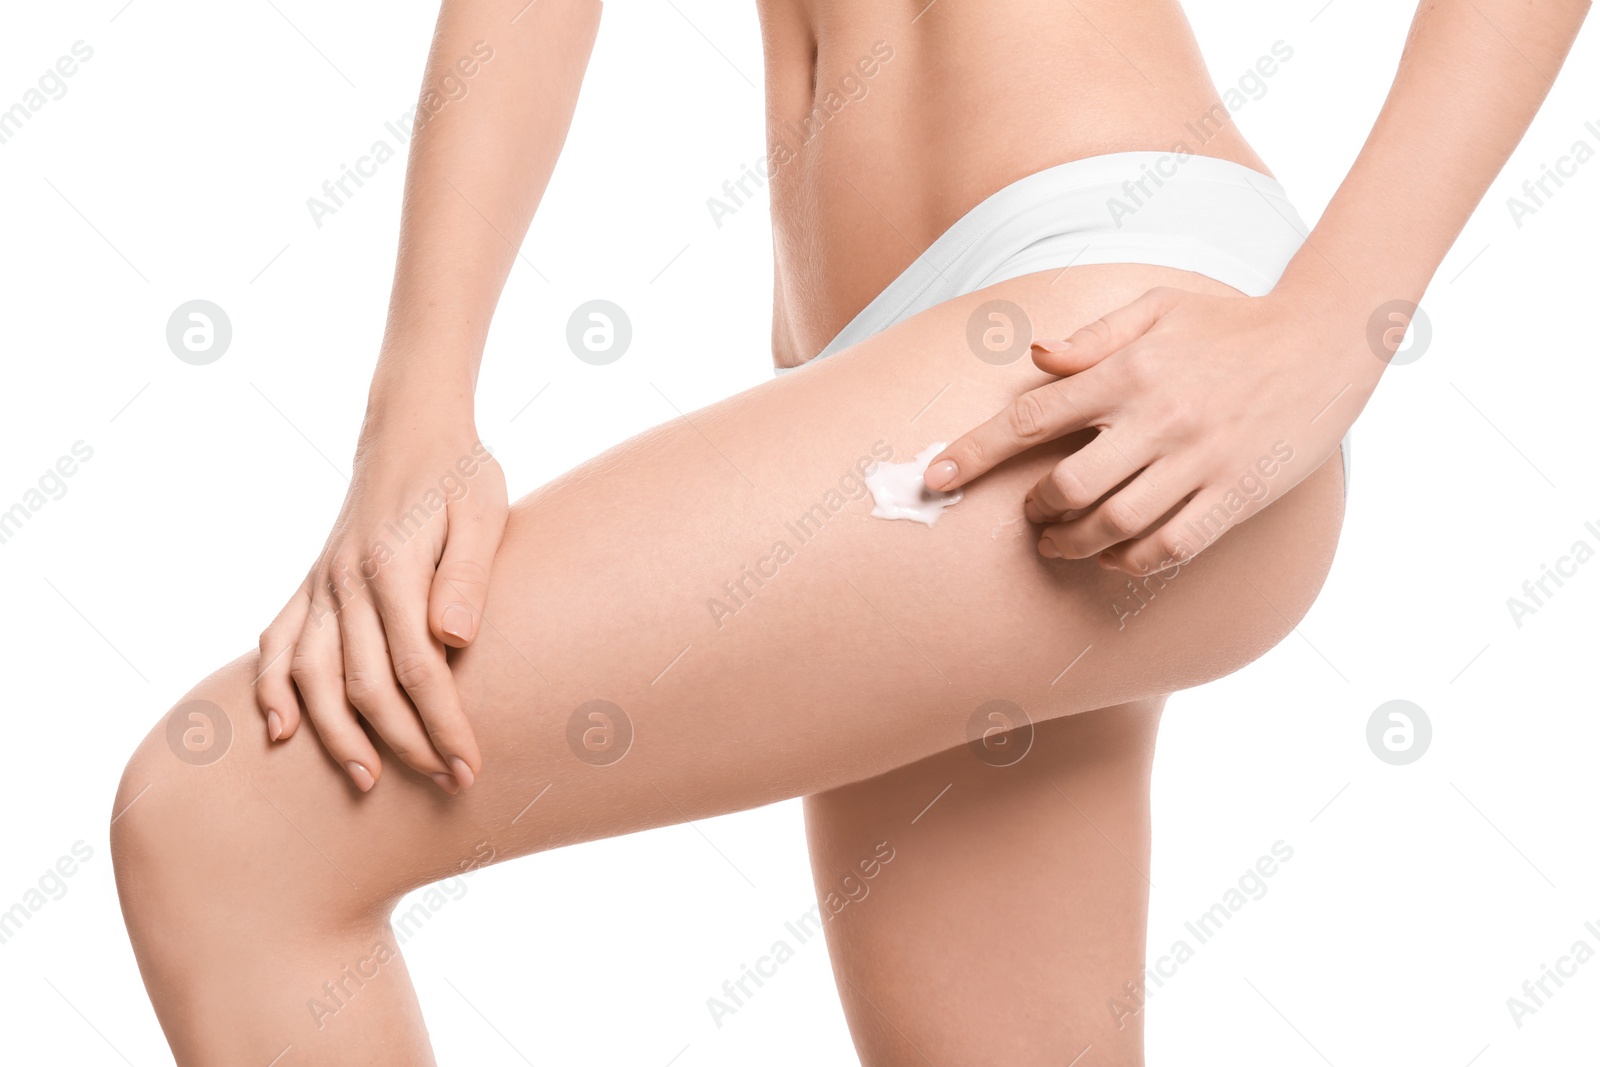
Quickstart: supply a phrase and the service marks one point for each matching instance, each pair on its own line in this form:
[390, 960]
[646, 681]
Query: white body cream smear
[898, 491]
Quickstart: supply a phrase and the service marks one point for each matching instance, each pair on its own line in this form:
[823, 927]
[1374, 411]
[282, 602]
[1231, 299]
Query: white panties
[1194, 213]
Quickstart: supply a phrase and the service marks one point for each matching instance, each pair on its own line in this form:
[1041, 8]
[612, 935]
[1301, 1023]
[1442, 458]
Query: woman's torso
[887, 120]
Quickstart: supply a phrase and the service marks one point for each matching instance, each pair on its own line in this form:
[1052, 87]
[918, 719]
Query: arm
[478, 168]
[1471, 78]
[1188, 391]
[406, 570]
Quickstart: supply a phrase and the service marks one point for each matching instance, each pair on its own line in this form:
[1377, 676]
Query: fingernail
[1052, 347]
[463, 772]
[1106, 560]
[274, 726]
[457, 621]
[1048, 549]
[940, 474]
[360, 776]
[447, 783]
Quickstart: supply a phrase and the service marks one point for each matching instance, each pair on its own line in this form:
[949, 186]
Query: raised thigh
[755, 634]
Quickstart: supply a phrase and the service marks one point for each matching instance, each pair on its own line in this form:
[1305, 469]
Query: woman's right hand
[404, 574]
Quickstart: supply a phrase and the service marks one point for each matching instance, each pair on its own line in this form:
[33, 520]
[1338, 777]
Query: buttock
[1210, 217]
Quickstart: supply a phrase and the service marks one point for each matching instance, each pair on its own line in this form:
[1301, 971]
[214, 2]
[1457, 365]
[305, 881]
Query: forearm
[1471, 77]
[483, 151]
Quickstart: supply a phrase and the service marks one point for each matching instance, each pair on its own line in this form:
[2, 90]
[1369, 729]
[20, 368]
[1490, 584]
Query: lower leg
[1013, 903]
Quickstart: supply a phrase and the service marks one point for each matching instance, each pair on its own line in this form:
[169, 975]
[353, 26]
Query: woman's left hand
[1208, 408]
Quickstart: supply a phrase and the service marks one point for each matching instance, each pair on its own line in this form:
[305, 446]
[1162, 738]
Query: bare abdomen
[883, 131]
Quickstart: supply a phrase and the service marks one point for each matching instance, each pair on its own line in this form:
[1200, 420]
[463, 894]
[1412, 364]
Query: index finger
[1039, 415]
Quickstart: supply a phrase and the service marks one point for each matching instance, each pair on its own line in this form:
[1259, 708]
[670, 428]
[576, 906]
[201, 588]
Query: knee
[204, 841]
[154, 837]
[172, 841]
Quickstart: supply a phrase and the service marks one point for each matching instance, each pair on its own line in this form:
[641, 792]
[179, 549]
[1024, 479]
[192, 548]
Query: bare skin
[1008, 990]
[853, 672]
[947, 121]
[870, 649]
[1014, 908]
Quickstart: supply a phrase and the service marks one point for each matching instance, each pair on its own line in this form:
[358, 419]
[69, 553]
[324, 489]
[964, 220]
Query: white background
[177, 166]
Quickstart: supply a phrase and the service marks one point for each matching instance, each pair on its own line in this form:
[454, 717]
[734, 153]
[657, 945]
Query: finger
[318, 671]
[461, 583]
[370, 687]
[274, 687]
[424, 673]
[1082, 479]
[1125, 514]
[1195, 527]
[1036, 416]
[1094, 342]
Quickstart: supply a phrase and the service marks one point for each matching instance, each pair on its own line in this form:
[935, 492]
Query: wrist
[433, 383]
[1351, 323]
[419, 403]
[411, 411]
